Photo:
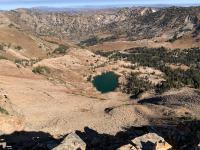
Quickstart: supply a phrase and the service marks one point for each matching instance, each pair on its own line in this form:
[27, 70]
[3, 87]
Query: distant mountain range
[132, 23]
[88, 7]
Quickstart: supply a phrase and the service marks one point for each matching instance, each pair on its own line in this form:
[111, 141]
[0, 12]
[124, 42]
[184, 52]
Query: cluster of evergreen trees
[95, 40]
[62, 49]
[158, 58]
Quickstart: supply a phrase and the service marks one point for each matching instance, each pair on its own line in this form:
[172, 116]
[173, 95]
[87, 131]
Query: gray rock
[2, 144]
[198, 147]
[129, 147]
[151, 141]
[71, 142]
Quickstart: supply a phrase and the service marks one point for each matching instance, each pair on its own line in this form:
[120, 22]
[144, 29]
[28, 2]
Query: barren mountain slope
[132, 23]
[18, 44]
[40, 104]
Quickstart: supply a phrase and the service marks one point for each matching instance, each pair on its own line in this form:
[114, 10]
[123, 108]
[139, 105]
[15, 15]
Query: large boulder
[72, 142]
[2, 144]
[151, 141]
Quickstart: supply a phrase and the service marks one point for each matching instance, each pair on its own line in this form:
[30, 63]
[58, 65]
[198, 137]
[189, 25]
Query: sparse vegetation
[95, 40]
[4, 46]
[104, 53]
[89, 42]
[2, 57]
[18, 48]
[1, 47]
[62, 49]
[51, 33]
[3, 111]
[53, 42]
[158, 58]
[25, 62]
[173, 39]
[41, 70]
[22, 62]
[11, 25]
[135, 86]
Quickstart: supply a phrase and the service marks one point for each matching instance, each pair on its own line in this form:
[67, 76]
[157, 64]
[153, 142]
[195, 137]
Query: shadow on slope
[153, 100]
[184, 136]
[97, 141]
[179, 99]
[28, 141]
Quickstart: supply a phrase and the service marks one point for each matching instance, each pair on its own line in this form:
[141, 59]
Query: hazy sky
[12, 4]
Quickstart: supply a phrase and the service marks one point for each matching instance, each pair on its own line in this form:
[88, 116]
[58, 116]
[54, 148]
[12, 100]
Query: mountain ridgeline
[130, 23]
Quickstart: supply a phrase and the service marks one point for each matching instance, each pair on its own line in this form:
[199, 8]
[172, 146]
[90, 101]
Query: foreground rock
[2, 144]
[71, 142]
[150, 141]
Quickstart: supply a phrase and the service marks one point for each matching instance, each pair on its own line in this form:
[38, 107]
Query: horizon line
[107, 6]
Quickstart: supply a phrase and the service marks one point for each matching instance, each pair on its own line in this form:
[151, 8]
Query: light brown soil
[184, 43]
[38, 104]
[48, 107]
[18, 38]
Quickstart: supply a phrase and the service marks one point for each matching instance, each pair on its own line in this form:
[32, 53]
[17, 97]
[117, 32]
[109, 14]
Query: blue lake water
[106, 82]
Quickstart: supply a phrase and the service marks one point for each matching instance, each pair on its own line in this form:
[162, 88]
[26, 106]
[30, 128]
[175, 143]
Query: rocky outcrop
[183, 136]
[2, 142]
[150, 141]
[180, 137]
[127, 147]
[71, 142]
[147, 11]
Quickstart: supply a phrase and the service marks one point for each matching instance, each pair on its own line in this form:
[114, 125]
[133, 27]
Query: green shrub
[158, 58]
[3, 111]
[62, 49]
[2, 57]
[11, 25]
[173, 39]
[1, 47]
[18, 47]
[89, 42]
[135, 86]
[22, 62]
[41, 70]
[95, 40]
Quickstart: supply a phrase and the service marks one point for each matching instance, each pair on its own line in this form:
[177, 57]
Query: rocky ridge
[132, 23]
[134, 138]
